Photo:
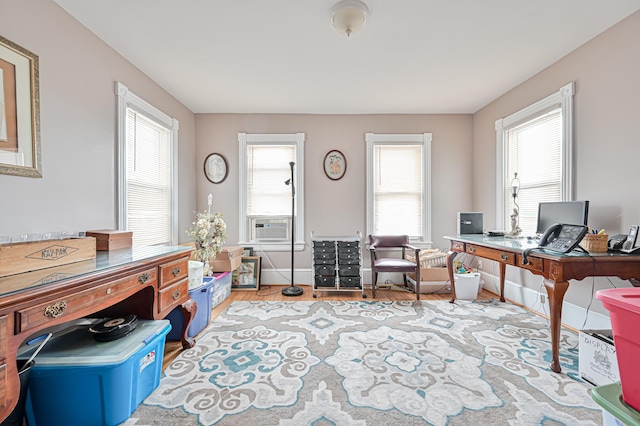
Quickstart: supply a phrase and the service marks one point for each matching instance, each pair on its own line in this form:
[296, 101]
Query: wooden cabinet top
[130, 257]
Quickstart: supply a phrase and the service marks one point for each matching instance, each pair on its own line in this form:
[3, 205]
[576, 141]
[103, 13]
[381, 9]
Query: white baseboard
[573, 316]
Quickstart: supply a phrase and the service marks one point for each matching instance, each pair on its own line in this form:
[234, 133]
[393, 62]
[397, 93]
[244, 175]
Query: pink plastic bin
[624, 309]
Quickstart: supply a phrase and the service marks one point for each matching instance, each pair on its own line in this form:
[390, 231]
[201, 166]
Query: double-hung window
[271, 190]
[535, 143]
[399, 185]
[147, 171]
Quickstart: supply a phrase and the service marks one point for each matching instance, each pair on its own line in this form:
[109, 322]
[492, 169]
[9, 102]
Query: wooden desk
[556, 268]
[147, 281]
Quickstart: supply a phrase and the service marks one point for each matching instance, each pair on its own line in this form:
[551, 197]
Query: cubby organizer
[337, 263]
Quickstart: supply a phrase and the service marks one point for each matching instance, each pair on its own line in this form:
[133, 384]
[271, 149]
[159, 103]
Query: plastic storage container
[221, 288]
[467, 285]
[202, 296]
[624, 309]
[614, 411]
[79, 381]
[16, 418]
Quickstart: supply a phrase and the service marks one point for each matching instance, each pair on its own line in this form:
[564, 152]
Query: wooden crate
[21, 257]
[109, 239]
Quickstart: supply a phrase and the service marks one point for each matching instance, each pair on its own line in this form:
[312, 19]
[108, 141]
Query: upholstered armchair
[399, 263]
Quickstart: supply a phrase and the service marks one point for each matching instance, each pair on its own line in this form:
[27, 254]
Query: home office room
[336, 153]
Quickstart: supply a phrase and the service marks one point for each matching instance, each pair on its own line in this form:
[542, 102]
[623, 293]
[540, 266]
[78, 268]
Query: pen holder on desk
[595, 243]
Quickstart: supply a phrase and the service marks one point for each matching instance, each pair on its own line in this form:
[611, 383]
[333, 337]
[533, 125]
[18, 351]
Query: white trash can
[196, 270]
[467, 285]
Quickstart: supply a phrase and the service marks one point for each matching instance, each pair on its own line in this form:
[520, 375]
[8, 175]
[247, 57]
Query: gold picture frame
[19, 111]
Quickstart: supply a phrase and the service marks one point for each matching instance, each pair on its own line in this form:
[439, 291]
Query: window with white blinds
[147, 173]
[265, 167]
[534, 153]
[398, 185]
[268, 168]
[536, 144]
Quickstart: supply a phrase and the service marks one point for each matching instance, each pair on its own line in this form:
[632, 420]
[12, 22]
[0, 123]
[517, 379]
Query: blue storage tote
[202, 296]
[79, 381]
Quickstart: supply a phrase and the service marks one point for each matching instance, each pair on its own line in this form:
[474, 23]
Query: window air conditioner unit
[270, 229]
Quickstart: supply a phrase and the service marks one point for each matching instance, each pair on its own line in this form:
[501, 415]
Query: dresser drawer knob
[176, 271]
[472, 249]
[504, 256]
[109, 291]
[143, 278]
[176, 294]
[55, 310]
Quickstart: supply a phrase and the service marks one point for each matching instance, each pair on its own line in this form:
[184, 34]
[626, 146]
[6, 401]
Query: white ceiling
[283, 56]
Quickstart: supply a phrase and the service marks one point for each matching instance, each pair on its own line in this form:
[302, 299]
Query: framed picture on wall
[19, 111]
[247, 276]
[335, 164]
[215, 168]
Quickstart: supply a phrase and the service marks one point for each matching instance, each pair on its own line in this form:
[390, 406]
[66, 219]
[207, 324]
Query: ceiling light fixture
[348, 16]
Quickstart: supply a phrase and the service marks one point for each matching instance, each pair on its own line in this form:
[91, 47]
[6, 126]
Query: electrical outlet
[543, 298]
[479, 264]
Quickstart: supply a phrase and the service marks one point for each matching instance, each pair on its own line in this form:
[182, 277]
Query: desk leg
[555, 293]
[188, 310]
[503, 269]
[450, 256]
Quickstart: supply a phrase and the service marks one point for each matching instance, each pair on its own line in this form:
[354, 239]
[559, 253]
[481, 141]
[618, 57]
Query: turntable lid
[75, 346]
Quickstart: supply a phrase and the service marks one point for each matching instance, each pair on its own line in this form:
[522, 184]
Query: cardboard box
[229, 259]
[431, 280]
[109, 239]
[17, 258]
[598, 363]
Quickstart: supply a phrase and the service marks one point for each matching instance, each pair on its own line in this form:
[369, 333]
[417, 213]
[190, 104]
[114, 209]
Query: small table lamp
[515, 216]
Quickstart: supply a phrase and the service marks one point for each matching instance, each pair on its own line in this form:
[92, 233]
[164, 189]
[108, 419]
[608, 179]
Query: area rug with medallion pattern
[372, 363]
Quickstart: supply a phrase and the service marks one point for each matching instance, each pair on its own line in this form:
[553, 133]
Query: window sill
[279, 246]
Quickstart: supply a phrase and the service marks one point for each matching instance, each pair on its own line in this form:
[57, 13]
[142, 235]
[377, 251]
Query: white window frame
[297, 139]
[129, 99]
[420, 138]
[563, 99]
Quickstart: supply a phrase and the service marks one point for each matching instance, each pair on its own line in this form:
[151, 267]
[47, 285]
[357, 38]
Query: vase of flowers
[209, 232]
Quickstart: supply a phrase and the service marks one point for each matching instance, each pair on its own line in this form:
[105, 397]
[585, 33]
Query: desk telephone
[626, 243]
[560, 237]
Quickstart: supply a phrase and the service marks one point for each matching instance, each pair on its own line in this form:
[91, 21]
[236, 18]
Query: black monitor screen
[570, 212]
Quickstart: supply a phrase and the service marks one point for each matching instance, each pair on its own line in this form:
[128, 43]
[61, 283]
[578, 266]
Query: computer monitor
[570, 212]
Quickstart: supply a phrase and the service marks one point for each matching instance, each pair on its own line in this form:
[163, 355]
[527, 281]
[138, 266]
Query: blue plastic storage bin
[79, 381]
[202, 296]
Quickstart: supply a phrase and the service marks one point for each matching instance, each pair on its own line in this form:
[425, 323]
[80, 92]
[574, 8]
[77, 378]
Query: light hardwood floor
[274, 293]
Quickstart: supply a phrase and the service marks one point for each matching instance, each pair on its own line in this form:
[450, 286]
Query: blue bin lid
[75, 346]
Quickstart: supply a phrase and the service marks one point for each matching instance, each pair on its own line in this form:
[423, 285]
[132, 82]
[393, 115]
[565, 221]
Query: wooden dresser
[147, 281]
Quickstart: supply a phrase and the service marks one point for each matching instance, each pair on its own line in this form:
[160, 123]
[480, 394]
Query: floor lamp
[292, 290]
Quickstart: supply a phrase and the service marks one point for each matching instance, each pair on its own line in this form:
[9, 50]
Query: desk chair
[393, 264]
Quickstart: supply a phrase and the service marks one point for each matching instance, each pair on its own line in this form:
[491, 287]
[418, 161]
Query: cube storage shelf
[337, 263]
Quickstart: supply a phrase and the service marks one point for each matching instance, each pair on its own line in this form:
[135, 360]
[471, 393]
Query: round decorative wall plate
[215, 168]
